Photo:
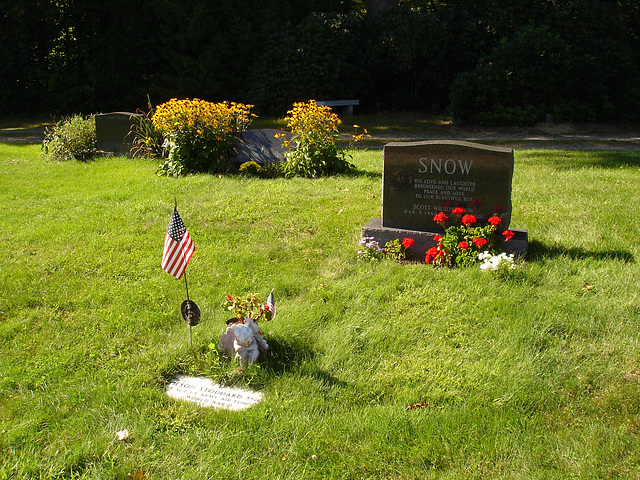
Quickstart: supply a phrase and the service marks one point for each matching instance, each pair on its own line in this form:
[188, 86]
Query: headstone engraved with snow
[421, 179]
[205, 393]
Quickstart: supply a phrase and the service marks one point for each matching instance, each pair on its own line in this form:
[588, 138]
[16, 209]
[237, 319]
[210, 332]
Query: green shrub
[147, 139]
[72, 138]
[312, 151]
[198, 135]
[324, 57]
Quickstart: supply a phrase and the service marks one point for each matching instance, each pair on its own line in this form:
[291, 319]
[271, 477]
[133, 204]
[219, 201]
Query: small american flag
[271, 306]
[178, 247]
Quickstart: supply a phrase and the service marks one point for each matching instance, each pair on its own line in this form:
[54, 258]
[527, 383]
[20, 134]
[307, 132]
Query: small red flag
[178, 247]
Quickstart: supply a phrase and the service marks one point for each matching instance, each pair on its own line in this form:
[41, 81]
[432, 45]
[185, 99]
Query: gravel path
[563, 137]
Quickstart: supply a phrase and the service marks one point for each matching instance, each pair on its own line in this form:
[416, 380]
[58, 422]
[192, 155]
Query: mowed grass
[529, 374]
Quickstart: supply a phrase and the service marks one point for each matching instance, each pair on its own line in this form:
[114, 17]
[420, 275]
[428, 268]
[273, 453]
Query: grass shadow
[285, 353]
[538, 250]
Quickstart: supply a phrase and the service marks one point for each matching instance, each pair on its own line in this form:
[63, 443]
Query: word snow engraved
[421, 179]
[208, 394]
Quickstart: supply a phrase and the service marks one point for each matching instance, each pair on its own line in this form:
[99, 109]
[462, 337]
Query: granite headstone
[113, 132]
[260, 146]
[421, 179]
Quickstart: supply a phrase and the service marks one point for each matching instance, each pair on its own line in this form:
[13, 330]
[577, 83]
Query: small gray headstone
[112, 131]
[205, 393]
[260, 146]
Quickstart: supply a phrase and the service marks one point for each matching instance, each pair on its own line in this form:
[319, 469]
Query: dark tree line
[486, 61]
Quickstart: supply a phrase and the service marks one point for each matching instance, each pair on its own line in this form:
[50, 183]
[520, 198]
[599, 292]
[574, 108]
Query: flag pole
[186, 286]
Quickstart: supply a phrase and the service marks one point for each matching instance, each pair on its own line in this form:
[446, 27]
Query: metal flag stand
[190, 311]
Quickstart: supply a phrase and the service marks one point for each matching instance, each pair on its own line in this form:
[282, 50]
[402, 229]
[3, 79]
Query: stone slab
[518, 245]
[260, 146]
[112, 132]
[421, 179]
[205, 393]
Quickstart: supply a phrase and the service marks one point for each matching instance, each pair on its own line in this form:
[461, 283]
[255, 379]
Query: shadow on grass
[539, 250]
[285, 353]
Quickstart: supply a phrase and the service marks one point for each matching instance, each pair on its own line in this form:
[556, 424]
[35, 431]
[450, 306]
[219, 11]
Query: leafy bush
[72, 138]
[312, 150]
[198, 135]
[464, 241]
[147, 139]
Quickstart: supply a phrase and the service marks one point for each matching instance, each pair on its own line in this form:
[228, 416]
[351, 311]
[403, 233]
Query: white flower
[493, 262]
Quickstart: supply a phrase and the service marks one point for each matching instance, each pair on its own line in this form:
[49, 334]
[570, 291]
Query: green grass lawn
[529, 374]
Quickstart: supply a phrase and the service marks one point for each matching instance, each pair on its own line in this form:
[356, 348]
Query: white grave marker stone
[208, 394]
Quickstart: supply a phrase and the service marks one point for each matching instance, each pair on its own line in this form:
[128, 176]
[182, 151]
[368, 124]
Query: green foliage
[465, 240]
[312, 150]
[488, 62]
[72, 138]
[147, 139]
[395, 250]
[199, 135]
[249, 306]
[326, 57]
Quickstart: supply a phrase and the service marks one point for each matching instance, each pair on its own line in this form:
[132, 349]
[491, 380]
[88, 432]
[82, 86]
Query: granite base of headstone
[113, 132]
[260, 146]
[421, 179]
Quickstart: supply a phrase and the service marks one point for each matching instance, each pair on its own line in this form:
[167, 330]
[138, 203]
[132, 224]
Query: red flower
[498, 208]
[437, 238]
[458, 211]
[446, 204]
[480, 242]
[476, 202]
[469, 220]
[431, 254]
[495, 221]
[229, 297]
[463, 245]
[508, 234]
[440, 218]
[407, 242]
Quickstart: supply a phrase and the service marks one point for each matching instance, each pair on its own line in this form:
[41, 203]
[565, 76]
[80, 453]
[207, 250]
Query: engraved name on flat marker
[208, 394]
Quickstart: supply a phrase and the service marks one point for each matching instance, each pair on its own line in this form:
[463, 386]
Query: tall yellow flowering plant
[312, 150]
[198, 135]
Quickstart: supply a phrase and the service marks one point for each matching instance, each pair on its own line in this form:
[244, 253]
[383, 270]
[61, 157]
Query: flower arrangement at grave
[312, 151]
[465, 239]
[198, 135]
[243, 338]
[394, 249]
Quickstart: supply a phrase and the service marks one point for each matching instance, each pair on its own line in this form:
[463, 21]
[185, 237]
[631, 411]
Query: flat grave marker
[205, 393]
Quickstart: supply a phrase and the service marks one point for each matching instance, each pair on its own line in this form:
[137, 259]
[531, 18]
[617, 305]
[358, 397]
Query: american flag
[178, 247]
[271, 304]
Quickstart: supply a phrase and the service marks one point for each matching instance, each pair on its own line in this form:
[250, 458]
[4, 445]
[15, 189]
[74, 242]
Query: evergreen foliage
[486, 61]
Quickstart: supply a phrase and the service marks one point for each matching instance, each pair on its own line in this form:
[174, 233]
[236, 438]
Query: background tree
[485, 61]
